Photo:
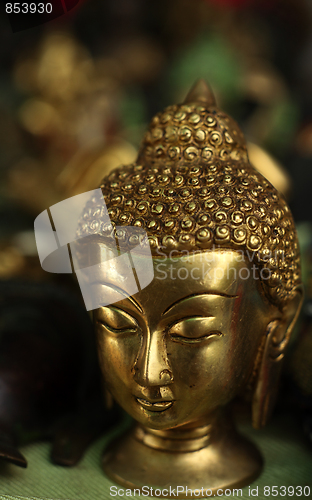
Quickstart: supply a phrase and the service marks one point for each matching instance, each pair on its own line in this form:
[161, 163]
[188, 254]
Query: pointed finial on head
[201, 92]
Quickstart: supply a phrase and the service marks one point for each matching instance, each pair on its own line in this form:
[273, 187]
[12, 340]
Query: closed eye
[193, 330]
[117, 321]
[117, 330]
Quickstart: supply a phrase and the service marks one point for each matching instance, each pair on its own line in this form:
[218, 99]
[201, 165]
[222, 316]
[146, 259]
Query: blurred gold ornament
[72, 116]
[11, 262]
[270, 168]
[39, 186]
[86, 168]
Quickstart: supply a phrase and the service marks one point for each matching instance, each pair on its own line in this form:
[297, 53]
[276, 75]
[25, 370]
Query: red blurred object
[69, 4]
[27, 15]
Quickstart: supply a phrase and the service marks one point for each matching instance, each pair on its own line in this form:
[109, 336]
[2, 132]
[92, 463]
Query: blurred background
[77, 93]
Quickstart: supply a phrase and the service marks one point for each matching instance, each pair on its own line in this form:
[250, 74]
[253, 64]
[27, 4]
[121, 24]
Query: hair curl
[193, 188]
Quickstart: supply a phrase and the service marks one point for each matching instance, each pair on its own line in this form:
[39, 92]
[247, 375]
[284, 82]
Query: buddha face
[184, 346]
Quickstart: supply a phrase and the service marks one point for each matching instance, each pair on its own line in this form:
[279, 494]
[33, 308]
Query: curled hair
[193, 188]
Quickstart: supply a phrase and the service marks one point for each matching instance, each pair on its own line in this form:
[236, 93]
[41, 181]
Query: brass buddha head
[226, 292]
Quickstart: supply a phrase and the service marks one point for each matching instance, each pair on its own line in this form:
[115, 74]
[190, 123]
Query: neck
[183, 439]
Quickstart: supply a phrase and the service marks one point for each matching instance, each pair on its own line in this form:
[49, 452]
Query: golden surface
[287, 457]
[192, 202]
[217, 317]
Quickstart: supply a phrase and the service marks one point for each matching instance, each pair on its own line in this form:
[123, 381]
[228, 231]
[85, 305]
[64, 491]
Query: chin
[159, 421]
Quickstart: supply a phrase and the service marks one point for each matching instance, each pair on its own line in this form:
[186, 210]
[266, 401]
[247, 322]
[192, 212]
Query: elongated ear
[278, 333]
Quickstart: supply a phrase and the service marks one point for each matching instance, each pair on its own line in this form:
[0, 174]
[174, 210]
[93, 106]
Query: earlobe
[278, 333]
[291, 312]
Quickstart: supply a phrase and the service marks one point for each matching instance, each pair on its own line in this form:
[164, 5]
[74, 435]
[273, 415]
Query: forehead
[225, 273]
[214, 270]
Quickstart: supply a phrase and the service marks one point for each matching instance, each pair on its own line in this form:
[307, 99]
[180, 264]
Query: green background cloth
[288, 462]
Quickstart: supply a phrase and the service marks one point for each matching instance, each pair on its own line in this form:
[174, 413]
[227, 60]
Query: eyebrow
[226, 295]
[122, 292]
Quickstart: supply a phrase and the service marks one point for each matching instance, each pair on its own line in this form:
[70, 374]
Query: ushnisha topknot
[195, 131]
[192, 188]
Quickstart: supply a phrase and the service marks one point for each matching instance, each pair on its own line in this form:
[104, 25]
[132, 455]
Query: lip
[156, 405]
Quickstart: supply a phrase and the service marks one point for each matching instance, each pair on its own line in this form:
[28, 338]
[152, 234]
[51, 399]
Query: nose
[152, 366]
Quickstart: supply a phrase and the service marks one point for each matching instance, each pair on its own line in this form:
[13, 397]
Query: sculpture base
[228, 461]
